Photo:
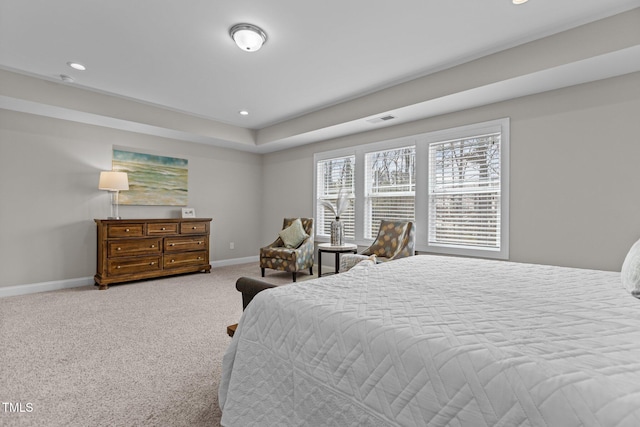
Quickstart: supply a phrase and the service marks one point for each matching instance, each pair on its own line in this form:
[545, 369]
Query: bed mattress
[438, 341]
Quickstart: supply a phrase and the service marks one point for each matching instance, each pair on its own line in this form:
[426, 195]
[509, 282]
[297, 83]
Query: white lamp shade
[113, 181]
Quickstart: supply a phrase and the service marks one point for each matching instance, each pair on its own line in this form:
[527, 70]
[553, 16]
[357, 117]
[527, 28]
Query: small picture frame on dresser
[188, 213]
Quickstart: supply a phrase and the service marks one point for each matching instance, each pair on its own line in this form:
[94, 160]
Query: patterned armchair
[396, 239]
[278, 257]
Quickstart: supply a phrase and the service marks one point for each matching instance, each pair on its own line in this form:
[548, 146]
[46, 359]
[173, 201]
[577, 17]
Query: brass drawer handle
[194, 228]
[138, 265]
[126, 230]
[199, 257]
[118, 249]
[163, 228]
[173, 260]
[186, 243]
[153, 246]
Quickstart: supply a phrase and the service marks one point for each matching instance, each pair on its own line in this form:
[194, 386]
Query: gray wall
[575, 172]
[49, 193]
[574, 183]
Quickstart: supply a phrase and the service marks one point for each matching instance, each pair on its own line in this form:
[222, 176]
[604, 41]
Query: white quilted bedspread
[438, 341]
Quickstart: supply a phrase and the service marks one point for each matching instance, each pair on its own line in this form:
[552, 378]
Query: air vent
[381, 119]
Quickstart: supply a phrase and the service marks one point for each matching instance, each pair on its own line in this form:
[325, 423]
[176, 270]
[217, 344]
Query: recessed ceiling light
[243, 112]
[76, 66]
[519, 1]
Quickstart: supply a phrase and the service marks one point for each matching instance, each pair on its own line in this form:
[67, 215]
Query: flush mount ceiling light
[243, 112]
[519, 1]
[248, 37]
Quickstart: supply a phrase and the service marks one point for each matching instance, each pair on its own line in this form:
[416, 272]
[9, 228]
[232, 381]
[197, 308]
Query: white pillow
[293, 235]
[631, 270]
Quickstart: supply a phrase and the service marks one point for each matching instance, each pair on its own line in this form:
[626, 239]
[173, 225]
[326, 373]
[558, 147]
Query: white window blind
[453, 183]
[390, 187]
[333, 175]
[465, 193]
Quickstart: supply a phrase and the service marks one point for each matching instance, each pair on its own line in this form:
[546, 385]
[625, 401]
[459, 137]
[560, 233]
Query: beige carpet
[145, 353]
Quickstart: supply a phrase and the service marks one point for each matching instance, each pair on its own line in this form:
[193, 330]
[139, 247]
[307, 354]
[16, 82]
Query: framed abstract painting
[153, 180]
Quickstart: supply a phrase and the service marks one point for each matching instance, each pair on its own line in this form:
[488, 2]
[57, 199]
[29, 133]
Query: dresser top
[149, 220]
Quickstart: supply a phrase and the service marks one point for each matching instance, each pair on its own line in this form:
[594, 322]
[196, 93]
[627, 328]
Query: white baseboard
[10, 291]
[235, 261]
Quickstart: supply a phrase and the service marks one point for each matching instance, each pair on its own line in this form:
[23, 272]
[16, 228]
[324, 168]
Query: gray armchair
[396, 239]
[278, 257]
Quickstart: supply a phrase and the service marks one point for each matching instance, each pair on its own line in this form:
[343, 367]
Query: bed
[438, 341]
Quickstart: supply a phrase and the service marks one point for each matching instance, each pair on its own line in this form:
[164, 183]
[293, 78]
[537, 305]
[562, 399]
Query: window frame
[369, 196]
[318, 213]
[422, 173]
[359, 152]
[422, 197]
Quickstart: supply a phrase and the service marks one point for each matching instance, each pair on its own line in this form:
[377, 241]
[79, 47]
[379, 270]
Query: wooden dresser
[133, 249]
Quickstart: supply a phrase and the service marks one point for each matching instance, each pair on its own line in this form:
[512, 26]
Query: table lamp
[113, 182]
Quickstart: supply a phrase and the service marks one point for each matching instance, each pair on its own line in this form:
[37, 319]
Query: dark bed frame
[249, 288]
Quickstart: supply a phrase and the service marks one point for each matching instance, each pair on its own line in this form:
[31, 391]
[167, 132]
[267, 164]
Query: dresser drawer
[162, 229]
[126, 247]
[131, 230]
[122, 266]
[137, 249]
[185, 259]
[194, 227]
[179, 244]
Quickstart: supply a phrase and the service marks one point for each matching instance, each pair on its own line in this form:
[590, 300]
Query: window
[390, 187]
[333, 175]
[465, 200]
[453, 183]
[464, 192]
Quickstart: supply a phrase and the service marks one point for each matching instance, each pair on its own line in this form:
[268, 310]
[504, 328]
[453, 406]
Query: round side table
[337, 250]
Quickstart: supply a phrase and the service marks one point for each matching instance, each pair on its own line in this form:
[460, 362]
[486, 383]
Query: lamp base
[114, 205]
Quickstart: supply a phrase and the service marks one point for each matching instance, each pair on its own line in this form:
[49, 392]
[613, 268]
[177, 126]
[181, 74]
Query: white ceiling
[178, 54]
